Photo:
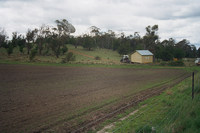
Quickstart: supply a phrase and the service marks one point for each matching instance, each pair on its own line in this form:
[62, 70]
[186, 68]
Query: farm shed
[142, 56]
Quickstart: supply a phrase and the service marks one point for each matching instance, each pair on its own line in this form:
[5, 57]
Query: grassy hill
[84, 56]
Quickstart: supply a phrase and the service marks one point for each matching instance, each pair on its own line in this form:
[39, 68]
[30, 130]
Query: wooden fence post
[192, 85]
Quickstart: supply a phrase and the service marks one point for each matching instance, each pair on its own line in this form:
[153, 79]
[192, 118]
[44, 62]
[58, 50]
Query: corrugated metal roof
[144, 52]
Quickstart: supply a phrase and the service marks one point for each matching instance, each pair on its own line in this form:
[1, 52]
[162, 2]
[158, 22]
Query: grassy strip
[101, 106]
[145, 66]
[128, 97]
[78, 116]
[128, 111]
[172, 111]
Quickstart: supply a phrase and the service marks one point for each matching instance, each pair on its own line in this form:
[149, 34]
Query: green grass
[145, 66]
[172, 111]
[106, 55]
[109, 58]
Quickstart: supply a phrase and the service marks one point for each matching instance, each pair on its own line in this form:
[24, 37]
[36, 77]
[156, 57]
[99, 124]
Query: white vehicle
[197, 61]
[125, 59]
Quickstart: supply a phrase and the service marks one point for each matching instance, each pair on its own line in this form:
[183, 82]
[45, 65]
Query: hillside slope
[105, 56]
[85, 56]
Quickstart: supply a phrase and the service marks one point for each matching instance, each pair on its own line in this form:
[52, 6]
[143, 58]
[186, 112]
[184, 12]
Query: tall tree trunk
[28, 51]
[40, 51]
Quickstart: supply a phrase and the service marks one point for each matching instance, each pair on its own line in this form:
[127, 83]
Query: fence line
[163, 118]
[167, 119]
[181, 105]
[132, 103]
[155, 103]
[138, 115]
[179, 111]
[170, 83]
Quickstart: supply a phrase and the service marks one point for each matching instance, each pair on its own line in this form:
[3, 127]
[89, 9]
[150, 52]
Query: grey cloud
[189, 11]
[176, 18]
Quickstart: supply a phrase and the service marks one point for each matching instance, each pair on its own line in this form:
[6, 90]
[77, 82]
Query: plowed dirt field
[48, 98]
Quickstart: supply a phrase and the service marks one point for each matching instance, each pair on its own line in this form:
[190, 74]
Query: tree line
[47, 39]
[41, 40]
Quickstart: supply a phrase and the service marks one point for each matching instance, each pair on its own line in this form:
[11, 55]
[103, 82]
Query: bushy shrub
[173, 63]
[176, 63]
[64, 49]
[163, 63]
[32, 54]
[21, 48]
[9, 49]
[46, 52]
[97, 58]
[69, 57]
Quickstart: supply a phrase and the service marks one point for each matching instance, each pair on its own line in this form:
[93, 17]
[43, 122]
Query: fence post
[192, 85]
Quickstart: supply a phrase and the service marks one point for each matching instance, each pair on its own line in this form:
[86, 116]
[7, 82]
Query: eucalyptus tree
[95, 34]
[193, 51]
[9, 48]
[111, 38]
[125, 45]
[151, 37]
[42, 41]
[30, 39]
[136, 35]
[59, 36]
[11, 43]
[106, 39]
[64, 28]
[21, 42]
[185, 45]
[94, 31]
[3, 37]
[89, 42]
[136, 42]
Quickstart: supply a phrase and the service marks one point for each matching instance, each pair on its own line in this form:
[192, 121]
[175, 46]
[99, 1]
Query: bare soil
[60, 99]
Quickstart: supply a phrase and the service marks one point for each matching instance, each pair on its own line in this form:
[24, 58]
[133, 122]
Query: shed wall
[136, 57]
[147, 59]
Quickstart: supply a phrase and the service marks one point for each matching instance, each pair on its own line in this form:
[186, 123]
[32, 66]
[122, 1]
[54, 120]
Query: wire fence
[138, 115]
[150, 107]
[153, 92]
[166, 119]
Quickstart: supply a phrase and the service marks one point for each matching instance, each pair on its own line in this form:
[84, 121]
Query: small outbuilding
[142, 56]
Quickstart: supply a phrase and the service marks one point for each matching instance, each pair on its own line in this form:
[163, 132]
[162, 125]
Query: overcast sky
[179, 19]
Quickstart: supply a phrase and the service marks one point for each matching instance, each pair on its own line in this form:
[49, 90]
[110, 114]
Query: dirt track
[41, 98]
